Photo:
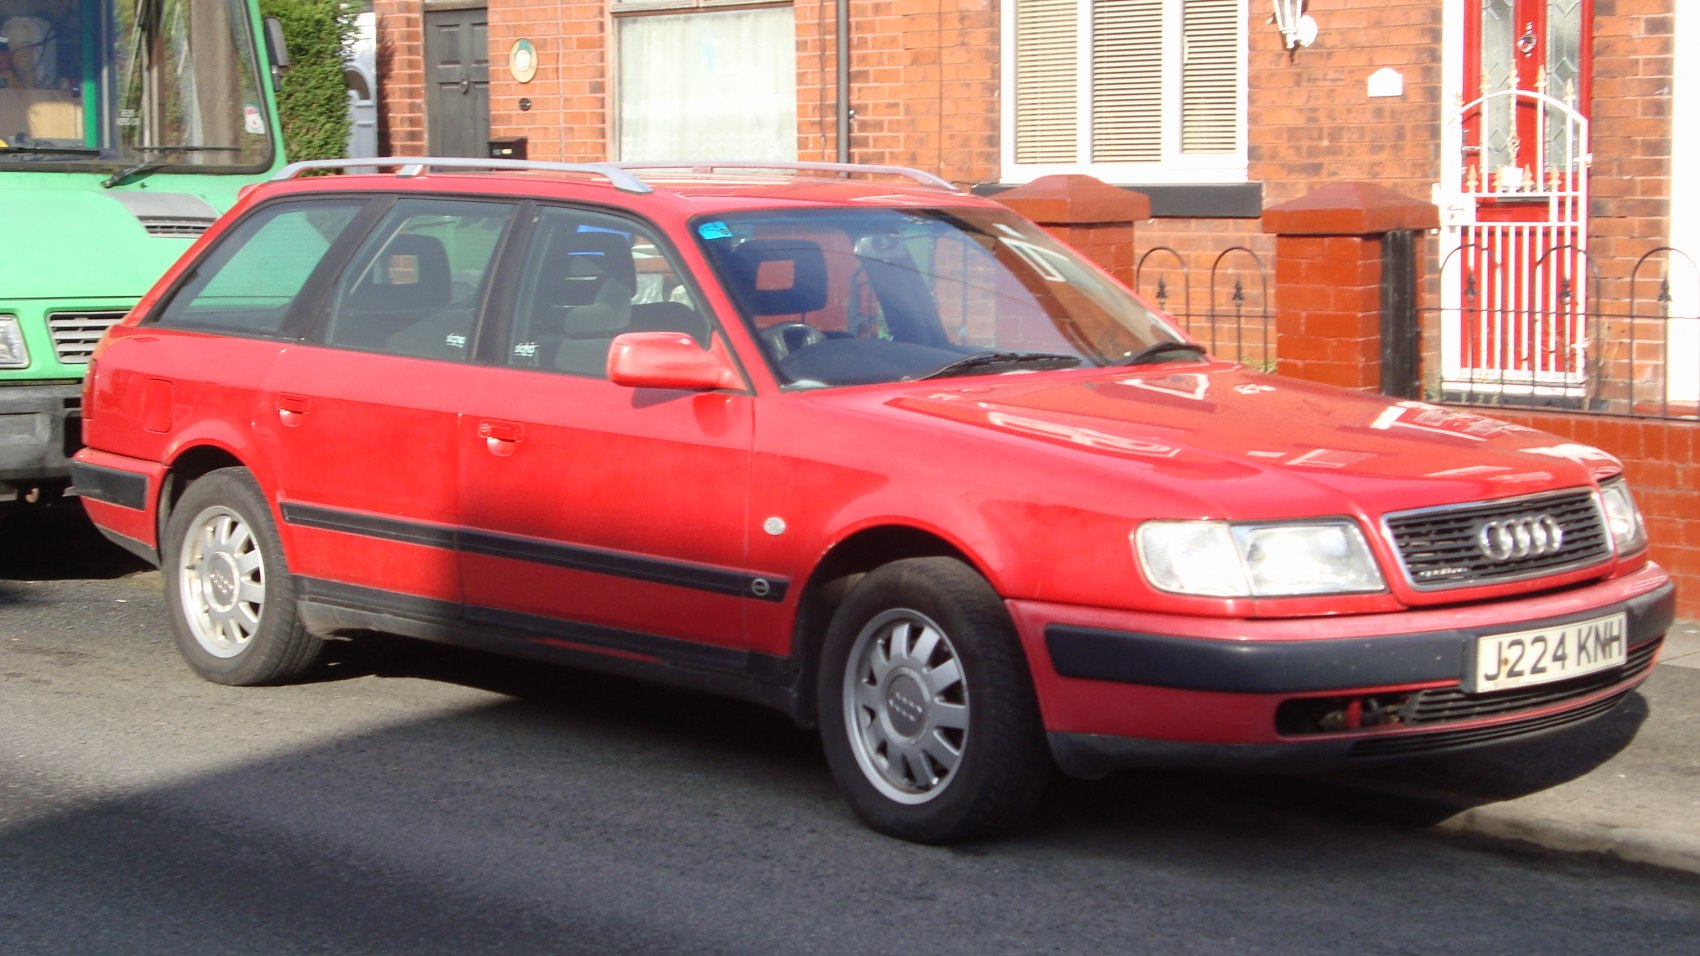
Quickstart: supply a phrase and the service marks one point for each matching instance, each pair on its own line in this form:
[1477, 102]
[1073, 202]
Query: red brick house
[1544, 132]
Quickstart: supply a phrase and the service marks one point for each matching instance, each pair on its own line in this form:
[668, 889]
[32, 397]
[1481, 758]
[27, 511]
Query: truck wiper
[995, 361]
[50, 150]
[166, 155]
[1163, 351]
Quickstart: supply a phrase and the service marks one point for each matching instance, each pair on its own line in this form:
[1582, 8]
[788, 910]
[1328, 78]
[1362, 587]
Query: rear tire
[927, 710]
[230, 593]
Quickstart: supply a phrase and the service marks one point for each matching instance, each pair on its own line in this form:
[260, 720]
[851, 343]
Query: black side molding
[126, 489]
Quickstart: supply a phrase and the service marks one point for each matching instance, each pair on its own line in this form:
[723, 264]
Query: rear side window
[414, 286]
[249, 282]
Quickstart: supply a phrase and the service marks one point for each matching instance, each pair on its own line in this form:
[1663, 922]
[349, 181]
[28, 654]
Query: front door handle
[500, 437]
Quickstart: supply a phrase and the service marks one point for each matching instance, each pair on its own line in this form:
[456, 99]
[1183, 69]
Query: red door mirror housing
[668, 360]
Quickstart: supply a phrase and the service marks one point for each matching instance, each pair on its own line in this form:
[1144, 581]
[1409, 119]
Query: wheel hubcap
[222, 582]
[906, 706]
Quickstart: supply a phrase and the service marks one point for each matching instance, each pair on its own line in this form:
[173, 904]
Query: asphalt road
[422, 800]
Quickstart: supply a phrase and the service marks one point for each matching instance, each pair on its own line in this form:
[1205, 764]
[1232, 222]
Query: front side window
[846, 297]
[587, 278]
[249, 282]
[1131, 91]
[108, 84]
[697, 82]
[414, 286]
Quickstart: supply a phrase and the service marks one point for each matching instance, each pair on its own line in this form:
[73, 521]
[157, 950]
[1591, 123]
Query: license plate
[1549, 654]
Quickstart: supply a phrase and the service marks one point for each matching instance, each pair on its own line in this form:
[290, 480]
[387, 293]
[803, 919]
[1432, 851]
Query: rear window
[249, 282]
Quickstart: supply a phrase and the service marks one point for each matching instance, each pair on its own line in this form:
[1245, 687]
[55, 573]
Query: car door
[361, 418]
[598, 515]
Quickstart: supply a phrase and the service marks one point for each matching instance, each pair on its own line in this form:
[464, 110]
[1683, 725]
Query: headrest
[412, 272]
[779, 276]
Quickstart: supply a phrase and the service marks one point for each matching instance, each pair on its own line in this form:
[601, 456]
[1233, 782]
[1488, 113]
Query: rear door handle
[291, 407]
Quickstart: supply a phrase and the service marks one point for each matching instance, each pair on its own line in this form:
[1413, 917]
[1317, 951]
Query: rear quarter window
[251, 279]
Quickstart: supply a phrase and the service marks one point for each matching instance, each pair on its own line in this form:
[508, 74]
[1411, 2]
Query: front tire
[231, 596]
[927, 710]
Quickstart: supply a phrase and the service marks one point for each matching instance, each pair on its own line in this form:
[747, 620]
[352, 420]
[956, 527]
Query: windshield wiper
[166, 155]
[50, 150]
[1163, 352]
[1002, 361]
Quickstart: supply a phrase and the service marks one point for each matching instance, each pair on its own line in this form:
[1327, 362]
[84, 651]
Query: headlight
[1224, 559]
[13, 352]
[1628, 531]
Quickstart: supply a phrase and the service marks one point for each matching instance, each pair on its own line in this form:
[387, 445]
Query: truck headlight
[1628, 530]
[1244, 559]
[13, 352]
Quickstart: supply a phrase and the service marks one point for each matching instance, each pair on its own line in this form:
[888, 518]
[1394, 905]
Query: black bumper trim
[127, 489]
[1297, 667]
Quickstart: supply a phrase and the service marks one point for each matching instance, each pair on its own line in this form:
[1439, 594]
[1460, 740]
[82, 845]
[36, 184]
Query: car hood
[1301, 443]
[101, 244]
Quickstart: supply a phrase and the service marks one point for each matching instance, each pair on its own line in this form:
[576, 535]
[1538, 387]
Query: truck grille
[1443, 548]
[75, 333]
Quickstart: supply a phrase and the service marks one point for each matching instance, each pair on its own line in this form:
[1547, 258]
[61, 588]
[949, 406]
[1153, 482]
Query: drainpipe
[843, 54]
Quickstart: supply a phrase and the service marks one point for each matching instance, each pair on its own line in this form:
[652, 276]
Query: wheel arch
[188, 465]
[845, 563]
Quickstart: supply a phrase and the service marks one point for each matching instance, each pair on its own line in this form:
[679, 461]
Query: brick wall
[1310, 117]
[923, 79]
[568, 119]
[401, 77]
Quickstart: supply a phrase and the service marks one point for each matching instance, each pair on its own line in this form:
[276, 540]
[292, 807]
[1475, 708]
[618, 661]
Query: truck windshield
[105, 85]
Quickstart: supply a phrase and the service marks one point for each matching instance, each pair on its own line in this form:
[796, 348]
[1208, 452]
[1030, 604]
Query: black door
[457, 82]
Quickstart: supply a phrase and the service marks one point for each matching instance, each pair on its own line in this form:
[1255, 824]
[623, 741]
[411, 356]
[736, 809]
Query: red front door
[1518, 273]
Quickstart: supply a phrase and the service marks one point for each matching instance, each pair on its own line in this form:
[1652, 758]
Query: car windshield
[857, 296]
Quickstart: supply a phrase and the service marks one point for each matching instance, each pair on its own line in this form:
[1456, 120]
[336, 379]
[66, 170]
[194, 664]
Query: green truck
[126, 128]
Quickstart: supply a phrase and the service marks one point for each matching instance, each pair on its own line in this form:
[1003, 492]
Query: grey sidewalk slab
[1626, 785]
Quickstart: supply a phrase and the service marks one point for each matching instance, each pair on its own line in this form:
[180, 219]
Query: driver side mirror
[668, 360]
[276, 50]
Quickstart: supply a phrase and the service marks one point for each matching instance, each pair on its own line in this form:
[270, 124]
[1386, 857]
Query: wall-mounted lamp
[1296, 26]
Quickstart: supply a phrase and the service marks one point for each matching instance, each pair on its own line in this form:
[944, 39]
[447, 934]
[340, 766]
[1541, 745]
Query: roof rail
[709, 167]
[407, 166]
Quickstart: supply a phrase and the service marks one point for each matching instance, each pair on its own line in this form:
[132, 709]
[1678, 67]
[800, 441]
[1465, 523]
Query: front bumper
[38, 430]
[1123, 688]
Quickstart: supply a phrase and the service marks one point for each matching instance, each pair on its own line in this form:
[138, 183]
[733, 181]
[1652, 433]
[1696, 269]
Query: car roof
[717, 186]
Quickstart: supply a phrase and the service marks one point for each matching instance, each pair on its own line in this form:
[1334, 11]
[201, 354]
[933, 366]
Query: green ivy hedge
[313, 98]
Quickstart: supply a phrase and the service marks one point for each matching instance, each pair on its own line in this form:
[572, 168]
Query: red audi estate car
[854, 444]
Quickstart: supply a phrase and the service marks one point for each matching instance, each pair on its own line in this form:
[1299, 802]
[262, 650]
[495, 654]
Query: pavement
[1626, 785]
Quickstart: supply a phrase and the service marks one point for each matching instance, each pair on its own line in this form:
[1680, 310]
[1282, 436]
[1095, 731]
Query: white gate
[1514, 266]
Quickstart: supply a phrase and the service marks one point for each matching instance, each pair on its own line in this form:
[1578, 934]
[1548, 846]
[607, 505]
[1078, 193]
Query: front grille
[1440, 548]
[1452, 704]
[1410, 745]
[75, 333]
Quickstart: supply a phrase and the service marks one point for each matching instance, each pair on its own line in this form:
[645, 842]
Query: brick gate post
[1329, 278]
[1088, 214]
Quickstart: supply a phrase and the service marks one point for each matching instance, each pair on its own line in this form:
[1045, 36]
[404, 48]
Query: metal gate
[1514, 253]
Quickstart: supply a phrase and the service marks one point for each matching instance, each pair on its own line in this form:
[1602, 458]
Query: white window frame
[1175, 167]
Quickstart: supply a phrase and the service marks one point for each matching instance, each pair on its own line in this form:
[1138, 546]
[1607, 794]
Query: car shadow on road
[55, 541]
[1411, 795]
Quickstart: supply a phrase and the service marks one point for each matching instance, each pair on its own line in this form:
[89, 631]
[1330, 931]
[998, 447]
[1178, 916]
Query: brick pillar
[1087, 214]
[1328, 257]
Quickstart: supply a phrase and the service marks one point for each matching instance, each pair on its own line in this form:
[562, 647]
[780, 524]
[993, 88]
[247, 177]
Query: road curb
[1660, 848]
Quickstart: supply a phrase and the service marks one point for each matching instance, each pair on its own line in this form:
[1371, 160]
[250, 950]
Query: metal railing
[1231, 315]
[1624, 345]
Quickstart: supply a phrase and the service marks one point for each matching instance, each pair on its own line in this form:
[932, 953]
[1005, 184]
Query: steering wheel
[787, 337]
